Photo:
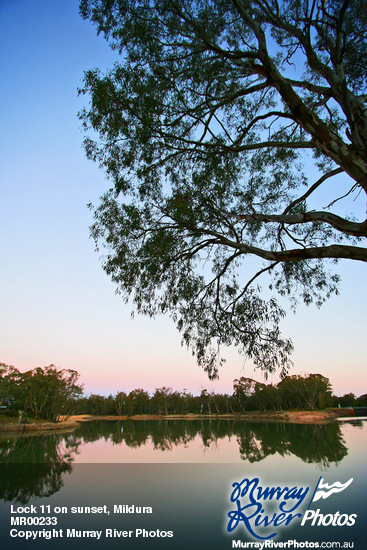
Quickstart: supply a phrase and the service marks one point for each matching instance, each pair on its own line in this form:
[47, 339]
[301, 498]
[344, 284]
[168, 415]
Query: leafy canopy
[222, 128]
[43, 392]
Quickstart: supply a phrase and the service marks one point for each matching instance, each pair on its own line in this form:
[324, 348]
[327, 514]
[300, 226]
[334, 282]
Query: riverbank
[38, 426]
[292, 417]
[295, 417]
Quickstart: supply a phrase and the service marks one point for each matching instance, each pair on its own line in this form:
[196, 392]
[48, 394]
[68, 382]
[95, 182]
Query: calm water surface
[184, 470]
[217, 441]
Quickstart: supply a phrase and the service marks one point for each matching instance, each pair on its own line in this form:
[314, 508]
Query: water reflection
[55, 465]
[34, 464]
[319, 444]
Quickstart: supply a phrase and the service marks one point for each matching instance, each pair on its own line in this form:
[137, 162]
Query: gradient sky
[56, 304]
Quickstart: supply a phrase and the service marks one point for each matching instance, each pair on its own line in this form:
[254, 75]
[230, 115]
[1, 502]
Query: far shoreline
[290, 417]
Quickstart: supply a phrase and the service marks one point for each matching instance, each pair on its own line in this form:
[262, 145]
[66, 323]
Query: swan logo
[323, 490]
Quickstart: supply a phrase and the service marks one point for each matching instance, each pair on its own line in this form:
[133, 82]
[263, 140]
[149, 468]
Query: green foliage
[307, 392]
[362, 400]
[48, 392]
[137, 402]
[161, 399]
[43, 393]
[312, 391]
[120, 403]
[348, 400]
[204, 124]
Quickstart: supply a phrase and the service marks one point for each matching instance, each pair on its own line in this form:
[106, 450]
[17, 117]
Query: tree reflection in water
[34, 465]
[316, 443]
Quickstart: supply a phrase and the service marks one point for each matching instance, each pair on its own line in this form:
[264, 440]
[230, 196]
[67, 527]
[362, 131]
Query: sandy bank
[38, 426]
[292, 417]
[295, 417]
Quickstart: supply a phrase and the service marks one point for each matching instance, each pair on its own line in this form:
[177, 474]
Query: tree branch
[341, 224]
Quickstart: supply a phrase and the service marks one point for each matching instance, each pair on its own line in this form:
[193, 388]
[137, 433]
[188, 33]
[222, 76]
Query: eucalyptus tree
[120, 402]
[46, 392]
[160, 400]
[317, 391]
[234, 136]
[137, 402]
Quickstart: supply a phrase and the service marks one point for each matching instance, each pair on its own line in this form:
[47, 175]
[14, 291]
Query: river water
[184, 472]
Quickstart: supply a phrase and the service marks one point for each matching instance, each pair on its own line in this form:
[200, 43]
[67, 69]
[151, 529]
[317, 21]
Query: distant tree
[214, 399]
[224, 403]
[161, 398]
[110, 405]
[347, 400]
[223, 128]
[187, 401]
[362, 400]
[267, 396]
[291, 388]
[137, 402]
[81, 405]
[316, 391]
[205, 401]
[120, 402]
[96, 404]
[42, 392]
[49, 391]
[243, 390]
[176, 402]
[10, 379]
[305, 392]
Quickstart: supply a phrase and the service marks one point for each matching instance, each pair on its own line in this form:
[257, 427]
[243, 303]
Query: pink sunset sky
[57, 305]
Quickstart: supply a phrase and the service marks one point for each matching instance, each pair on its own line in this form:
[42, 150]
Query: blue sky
[56, 304]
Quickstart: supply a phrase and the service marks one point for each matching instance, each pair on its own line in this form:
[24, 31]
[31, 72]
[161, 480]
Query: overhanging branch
[345, 226]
